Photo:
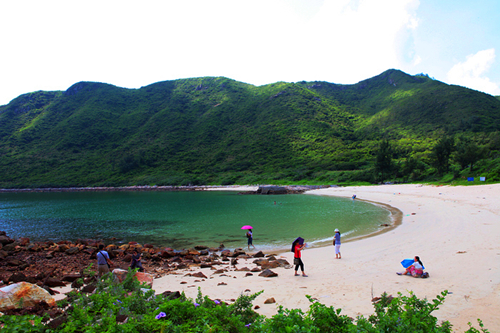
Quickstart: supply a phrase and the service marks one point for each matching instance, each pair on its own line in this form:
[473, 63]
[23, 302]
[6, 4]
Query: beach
[454, 230]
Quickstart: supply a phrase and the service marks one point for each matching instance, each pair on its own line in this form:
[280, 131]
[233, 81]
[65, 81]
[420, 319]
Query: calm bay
[185, 219]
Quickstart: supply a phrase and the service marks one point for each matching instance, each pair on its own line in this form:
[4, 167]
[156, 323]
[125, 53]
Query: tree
[383, 162]
[441, 154]
[468, 153]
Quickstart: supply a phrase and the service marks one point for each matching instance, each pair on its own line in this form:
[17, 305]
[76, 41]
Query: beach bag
[296, 261]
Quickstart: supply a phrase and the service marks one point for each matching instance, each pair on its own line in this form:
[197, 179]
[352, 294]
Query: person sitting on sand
[136, 261]
[416, 269]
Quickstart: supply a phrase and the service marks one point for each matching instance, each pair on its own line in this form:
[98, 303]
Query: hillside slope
[217, 130]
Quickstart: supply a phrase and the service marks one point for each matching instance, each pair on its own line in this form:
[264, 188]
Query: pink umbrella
[246, 227]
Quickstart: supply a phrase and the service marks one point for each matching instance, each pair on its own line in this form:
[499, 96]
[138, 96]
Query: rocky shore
[65, 263]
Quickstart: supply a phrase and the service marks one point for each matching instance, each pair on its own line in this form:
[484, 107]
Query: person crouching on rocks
[136, 261]
[103, 262]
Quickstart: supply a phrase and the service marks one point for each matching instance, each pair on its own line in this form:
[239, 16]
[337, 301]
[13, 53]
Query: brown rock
[270, 301]
[256, 307]
[259, 254]
[205, 265]
[199, 274]
[222, 284]
[23, 294]
[23, 241]
[52, 282]
[89, 288]
[144, 278]
[17, 277]
[219, 271]
[72, 250]
[72, 277]
[243, 269]
[268, 273]
[248, 274]
[4, 240]
[55, 323]
[255, 269]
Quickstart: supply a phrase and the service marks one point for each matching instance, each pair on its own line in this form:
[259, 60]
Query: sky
[50, 45]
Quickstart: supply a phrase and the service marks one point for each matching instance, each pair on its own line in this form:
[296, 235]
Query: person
[136, 261]
[336, 243]
[103, 262]
[297, 246]
[250, 238]
[353, 196]
[416, 269]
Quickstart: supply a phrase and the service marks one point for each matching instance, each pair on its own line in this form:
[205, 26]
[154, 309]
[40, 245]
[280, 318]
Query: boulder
[72, 277]
[268, 273]
[17, 277]
[270, 301]
[72, 250]
[52, 282]
[199, 274]
[259, 254]
[23, 241]
[23, 294]
[146, 278]
[5, 240]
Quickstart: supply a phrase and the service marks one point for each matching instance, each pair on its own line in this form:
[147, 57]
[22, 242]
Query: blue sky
[50, 45]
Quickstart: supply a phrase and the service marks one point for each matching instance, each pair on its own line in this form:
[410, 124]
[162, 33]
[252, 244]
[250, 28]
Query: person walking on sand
[103, 262]
[336, 243]
[297, 246]
[250, 238]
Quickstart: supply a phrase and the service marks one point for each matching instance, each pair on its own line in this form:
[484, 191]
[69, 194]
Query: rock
[222, 284]
[89, 288]
[270, 264]
[248, 274]
[3, 254]
[17, 277]
[205, 265]
[72, 250]
[171, 294]
[77, 284]
[243, 269]
[234, 262]
[23, 294]
[199, 274]
[14, 262]
[259, 254]
[54, 324]
[146, 278]
[255, 269]
[23, 241]
[270, 301]
[268, 273]
[219, 271]
[259, 262]
[52, 282]
[271, 258]
[256, 307]
[72, 277]
[4, 240]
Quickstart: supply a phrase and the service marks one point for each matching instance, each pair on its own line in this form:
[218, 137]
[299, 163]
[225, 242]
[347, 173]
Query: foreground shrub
[129, 307]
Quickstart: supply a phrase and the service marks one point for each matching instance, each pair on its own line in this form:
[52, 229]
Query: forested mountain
[215, 130]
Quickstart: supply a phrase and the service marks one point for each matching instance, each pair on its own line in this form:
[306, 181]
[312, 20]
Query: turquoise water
[185, 219]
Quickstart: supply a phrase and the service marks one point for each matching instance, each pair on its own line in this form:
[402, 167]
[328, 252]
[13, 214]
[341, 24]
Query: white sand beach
[454, 230]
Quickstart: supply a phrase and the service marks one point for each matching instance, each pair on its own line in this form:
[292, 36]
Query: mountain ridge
[218, 130]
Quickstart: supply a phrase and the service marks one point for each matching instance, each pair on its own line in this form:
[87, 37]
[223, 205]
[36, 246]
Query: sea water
[185, 219]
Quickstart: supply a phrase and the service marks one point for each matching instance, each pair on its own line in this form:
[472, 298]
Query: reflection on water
[185, 219]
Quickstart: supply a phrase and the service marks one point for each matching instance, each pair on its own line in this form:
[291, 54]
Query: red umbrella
[246, 227]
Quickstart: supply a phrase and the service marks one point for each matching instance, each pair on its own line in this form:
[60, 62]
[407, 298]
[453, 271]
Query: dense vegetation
[215, 130]
[128, 308]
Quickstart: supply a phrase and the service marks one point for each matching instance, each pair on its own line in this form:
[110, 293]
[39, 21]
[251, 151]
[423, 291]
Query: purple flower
[161, 315]
[248, 325]
[217, 302]
[196, 304]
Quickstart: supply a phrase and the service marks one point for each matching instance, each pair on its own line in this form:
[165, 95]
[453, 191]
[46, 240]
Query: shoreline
[454, 230]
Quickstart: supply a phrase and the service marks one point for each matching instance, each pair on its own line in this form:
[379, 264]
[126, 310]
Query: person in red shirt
[297, 246]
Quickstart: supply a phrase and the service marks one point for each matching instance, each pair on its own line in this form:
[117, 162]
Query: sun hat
[337, 230]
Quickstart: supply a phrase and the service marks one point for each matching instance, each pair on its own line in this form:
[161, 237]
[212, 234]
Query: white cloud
[55, 43]
[472, 73]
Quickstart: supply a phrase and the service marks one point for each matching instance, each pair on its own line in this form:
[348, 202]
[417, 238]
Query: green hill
[217, 130]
